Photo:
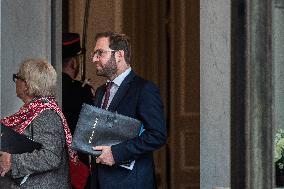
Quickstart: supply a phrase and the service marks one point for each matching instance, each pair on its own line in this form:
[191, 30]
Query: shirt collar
[119, 79]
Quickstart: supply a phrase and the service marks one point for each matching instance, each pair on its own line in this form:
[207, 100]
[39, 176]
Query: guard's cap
[71, 45]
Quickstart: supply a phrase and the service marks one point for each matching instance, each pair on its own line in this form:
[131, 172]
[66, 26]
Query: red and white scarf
[28, 112]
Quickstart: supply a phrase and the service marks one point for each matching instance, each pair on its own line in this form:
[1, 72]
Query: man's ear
[120, 55]
[73, 63]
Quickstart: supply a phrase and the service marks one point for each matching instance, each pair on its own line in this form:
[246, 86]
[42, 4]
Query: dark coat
[73, 96]
[139, 99]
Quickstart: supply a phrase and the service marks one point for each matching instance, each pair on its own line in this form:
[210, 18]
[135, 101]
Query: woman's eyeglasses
[16, 77]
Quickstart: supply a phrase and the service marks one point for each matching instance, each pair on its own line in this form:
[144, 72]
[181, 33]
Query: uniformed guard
[74, 92]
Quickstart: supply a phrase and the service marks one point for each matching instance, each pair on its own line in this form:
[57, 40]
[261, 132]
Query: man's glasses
[99, 53]
[16, 77]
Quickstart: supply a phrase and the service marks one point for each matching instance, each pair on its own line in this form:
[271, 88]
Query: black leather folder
[99, 127]
[15, 143]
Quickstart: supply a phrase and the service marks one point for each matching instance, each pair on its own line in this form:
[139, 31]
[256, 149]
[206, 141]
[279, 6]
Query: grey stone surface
[25, 33]
[215, 93]
[251, 98]
[56, 44]
[278, 62]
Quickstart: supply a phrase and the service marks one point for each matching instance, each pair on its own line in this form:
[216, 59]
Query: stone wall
[215, 93]
[25, 33]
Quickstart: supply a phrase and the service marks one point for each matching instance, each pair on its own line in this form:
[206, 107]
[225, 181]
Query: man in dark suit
[130, 95]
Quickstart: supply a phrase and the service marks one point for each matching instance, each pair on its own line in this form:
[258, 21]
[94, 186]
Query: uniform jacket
[73, 96]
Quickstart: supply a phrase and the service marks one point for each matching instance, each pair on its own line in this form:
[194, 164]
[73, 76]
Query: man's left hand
[106, 157]
[5, 163]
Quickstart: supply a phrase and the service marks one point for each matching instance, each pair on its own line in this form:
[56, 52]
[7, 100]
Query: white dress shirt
[116, 84]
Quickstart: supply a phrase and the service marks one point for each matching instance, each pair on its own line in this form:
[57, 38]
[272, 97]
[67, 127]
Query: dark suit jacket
[139, 99]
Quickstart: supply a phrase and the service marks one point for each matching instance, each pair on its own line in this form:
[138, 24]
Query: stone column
[56, 44]
[215, 93]
[251, 95]
[278, 62]
[27, 29]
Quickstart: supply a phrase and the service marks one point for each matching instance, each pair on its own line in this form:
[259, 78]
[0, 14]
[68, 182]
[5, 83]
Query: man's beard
[109, 69]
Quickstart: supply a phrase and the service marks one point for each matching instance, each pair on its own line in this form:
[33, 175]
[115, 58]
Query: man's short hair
[117, 41]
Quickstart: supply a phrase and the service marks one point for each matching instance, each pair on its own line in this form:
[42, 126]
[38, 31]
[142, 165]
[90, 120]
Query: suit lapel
[122, 90]
[99, 96]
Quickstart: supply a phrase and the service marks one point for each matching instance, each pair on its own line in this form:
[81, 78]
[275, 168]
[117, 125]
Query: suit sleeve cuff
[119, 155]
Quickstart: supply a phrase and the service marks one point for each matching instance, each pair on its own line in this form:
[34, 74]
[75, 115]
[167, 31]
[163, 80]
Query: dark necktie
[107, 94]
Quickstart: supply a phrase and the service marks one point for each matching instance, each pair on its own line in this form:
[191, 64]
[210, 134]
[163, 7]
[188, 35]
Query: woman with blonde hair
[41, 119]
